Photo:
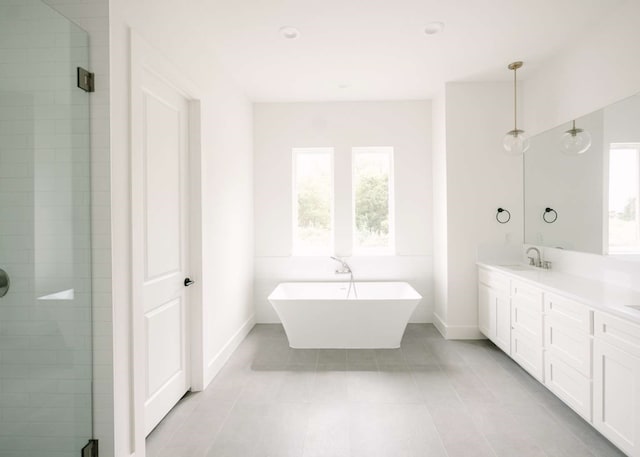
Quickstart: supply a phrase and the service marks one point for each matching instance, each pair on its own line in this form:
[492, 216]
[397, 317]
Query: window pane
[624, 190]
[313, 201]
[372, 195]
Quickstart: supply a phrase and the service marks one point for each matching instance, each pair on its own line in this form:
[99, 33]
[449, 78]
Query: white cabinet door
[569, 343]
[527, 330]
[494, 316]
[484, 310]
[527, 351]
[503, 322]
[616, 396]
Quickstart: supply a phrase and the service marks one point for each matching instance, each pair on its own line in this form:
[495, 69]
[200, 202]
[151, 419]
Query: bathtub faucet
[344, 269]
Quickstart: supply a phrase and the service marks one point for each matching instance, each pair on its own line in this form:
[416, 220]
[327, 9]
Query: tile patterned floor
[430, 398]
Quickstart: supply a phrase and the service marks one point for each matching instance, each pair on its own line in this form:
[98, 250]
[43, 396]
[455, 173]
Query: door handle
[188, 282]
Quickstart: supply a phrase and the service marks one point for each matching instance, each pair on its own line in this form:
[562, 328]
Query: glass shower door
[45, 250]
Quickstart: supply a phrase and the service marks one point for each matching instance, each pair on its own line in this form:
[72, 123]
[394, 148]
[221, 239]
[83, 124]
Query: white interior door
[160, 132]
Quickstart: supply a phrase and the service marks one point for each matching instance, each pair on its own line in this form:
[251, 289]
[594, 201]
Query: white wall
[480, 177]
[227, 191]
[440, 261]
[403, 125]
[597, 70]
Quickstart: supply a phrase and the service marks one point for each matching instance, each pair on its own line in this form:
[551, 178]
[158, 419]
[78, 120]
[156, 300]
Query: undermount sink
[518, 267]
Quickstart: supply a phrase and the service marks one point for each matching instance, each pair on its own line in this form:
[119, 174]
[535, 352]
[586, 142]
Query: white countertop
[595, 294]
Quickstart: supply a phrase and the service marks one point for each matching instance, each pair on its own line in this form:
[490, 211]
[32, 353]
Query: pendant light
[575, 141]
[516, 141]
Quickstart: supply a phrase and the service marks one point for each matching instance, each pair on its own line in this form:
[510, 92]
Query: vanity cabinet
[588, 358]
[527, 328]
[616, 382]
[494, 308]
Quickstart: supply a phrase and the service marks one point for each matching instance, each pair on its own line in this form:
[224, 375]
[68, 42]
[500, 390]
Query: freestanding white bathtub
[319, 314]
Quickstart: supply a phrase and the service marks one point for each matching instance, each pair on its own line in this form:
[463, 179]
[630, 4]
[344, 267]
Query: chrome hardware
[546, 265]
[188, 282]
[345, 269]
[538, 261]
[4, 283]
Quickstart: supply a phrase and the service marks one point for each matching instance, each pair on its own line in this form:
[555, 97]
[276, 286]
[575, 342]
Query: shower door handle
[188, 282]
[4, 283]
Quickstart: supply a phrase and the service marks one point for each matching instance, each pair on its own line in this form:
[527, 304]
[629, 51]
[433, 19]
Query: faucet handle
[546, 265]
[532, 261]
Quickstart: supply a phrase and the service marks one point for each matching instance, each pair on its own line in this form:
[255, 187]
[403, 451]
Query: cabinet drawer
[570, 344]
[527, 318]
[525, 292]
[527, 351]
[569, 385]
[494, 280]
[569, 311]
[617, 332]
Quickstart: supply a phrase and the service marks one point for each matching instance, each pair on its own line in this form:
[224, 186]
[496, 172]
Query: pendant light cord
[515, 101]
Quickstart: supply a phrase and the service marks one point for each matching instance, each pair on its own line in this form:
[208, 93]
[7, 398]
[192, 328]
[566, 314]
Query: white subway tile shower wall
[45, 345]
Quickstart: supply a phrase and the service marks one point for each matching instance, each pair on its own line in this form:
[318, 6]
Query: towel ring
[503, 220]
[552, 218]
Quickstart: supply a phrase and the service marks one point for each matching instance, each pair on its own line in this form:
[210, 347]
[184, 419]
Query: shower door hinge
[86, 80]
[91, 449]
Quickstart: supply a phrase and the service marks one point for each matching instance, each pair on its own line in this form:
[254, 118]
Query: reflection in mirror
[570, 184]
[624, 229]
[596, 194]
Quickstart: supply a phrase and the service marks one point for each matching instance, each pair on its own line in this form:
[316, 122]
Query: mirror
[587, 202]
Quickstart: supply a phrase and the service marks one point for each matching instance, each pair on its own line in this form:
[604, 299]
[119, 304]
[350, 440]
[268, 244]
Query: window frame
[389, 250]
[625, 250]
[296, 249]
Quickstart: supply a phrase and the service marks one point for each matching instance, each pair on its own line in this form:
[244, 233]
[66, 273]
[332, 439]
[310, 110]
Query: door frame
[144, 57]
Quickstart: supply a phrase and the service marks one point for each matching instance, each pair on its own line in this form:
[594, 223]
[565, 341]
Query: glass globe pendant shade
[575, 141]
[516, 142]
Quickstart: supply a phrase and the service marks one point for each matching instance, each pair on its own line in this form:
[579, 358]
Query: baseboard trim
[440, 325]
[457, 332]
[217, 362]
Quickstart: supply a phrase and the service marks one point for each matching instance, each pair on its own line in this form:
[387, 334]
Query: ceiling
[377, 49]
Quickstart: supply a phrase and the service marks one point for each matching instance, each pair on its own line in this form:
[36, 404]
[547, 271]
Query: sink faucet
[537, 262]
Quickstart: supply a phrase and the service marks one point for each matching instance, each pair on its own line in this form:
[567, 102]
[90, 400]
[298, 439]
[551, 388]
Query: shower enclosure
[45, 245]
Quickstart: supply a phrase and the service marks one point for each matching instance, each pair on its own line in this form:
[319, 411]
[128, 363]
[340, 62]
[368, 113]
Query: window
[624, 198]
[373, 230]
[313, 201]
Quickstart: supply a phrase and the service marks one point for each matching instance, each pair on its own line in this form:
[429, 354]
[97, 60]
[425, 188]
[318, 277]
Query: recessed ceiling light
[344, 86]
[290, 33]
[434, 27]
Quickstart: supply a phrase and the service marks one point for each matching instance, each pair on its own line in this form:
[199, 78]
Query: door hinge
[91, 449]
[86, 80]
